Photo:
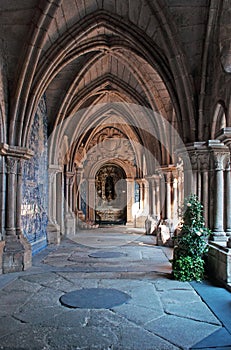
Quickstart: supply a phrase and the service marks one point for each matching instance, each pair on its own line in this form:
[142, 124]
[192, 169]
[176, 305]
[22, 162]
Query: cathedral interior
[112, 112]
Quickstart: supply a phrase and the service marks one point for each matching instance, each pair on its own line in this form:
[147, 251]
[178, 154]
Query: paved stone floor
[160, 313]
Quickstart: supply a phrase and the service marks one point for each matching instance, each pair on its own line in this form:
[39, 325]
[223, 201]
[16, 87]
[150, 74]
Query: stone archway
[111, 195]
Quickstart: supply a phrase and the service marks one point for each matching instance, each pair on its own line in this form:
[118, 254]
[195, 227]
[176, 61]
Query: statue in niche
[109, 188]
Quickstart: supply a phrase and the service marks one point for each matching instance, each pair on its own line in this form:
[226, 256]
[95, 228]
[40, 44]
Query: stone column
[205, 195]
[2, 207]
[168, 194]
[218, 223]
[228, 199]
[175, 199]
[78, 182]
[17, 251]
[180, 182]
[204, 161]
[158, 199]
[152, 197]
[60, 201]
[91, 199]
[225, 137]
[66, 191]
[162, 197]
[130, 200]
[2, 198]
[19, 197]
[69, 215]
[146, 197]
[11, 166]
[53, 229]
[140, 182]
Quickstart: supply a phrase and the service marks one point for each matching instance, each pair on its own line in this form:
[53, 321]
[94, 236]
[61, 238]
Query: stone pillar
[69, 215]
[27, 256]
[91, 199]
[175, 199]
[162, 196]
[228, 199]
[141, 194]
[152, 196]
[218, 223]
[2, 208]
[11, 165]
[2, 198]
[146, 197]
[225, 137]
[78, 182]
[53, 229]
[203, 194]
[60, 202]
[180, 182]
[17, 251]
[19, 197]
[158, 198]
[168, 195]
[16, 255]
[130, 200]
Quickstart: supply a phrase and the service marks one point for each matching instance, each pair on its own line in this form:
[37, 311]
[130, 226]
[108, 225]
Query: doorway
[111, 195]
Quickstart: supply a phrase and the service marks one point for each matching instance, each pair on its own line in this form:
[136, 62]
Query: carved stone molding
[15, 151]
[224, 136]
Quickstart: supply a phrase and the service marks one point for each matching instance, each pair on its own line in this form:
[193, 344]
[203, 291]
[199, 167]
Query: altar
[110, 215]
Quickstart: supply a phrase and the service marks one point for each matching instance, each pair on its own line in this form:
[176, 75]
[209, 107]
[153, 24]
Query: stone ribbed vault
[142, 85]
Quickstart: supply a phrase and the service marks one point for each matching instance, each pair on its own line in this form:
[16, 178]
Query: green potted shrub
[191, 243]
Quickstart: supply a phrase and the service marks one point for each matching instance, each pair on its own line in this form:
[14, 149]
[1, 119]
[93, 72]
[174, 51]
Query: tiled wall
[35, 183]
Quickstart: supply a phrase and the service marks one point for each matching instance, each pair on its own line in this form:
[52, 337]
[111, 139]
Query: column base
[70, 224]
[219, 237]
[130, 224]
[53, 233]
[140, 221]
[16, 255]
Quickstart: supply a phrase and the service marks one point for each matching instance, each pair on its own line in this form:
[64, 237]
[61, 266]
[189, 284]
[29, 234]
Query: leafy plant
[187, 268]
[191, 243]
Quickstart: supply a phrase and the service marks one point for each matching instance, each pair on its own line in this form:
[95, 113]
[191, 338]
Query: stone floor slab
[34, 318]
[179, 331]
[138, 314]
[179, 297]
[196, 311]
[217, 339]
[170, 284]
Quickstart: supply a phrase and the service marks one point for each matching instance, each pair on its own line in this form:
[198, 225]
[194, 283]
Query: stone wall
[35, 184]
[219, 264]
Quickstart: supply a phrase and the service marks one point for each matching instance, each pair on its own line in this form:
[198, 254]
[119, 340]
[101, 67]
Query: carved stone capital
[204, 161]
[11, 165]
[221, 160]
